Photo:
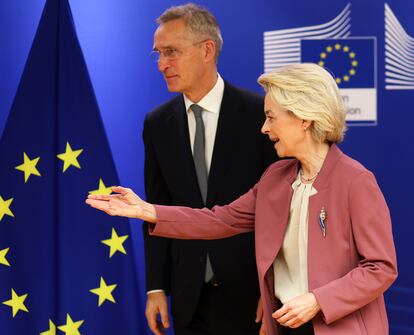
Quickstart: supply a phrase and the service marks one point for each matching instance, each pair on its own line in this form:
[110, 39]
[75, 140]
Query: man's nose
[162, 63]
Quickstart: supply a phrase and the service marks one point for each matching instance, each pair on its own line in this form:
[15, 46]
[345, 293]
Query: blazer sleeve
[377, 267]
[206, 224]
[157, 249]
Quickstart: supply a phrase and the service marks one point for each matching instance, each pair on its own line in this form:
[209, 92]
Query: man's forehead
[172, 31]
[173, 28]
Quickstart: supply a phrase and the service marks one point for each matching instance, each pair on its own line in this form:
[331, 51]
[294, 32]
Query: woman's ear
[306, 124]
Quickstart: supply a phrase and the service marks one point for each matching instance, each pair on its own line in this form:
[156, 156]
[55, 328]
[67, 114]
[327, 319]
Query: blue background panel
[116, 39]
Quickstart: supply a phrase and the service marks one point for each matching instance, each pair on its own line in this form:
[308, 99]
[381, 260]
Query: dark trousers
[306, 329]
[211, 319]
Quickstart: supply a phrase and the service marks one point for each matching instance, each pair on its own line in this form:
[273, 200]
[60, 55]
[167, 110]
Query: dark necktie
[199, 156]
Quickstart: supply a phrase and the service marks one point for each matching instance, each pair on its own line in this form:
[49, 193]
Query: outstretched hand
[124, 202]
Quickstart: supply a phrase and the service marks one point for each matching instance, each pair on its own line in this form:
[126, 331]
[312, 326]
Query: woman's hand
[123, 203]
[297, 311]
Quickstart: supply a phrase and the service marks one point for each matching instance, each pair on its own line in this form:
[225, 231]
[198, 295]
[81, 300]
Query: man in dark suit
[202, 148]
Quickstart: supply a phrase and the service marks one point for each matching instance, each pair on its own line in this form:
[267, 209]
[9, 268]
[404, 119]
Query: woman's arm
[181, 222]
[219, 222]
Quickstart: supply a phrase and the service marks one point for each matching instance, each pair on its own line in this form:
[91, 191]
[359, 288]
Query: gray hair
[200, 22]
[311, 93]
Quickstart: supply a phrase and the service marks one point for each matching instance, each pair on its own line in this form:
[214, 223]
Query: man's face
[181, 56]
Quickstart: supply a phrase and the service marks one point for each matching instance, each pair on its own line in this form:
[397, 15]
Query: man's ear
[209, 50]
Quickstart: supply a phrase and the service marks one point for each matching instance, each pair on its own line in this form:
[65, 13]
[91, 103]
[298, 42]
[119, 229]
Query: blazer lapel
[229, 128]
[278, 200]
[331, 159]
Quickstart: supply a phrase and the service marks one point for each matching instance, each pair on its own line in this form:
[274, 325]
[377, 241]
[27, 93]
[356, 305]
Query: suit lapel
[229, 128]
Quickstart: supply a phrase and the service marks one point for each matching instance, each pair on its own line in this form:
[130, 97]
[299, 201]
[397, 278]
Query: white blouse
[291, 264]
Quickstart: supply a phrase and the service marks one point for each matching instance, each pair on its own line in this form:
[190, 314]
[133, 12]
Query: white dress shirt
[291, 264]
[211, 104]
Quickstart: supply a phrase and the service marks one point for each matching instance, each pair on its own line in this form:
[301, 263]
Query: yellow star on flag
[28, 167]
[71, 328]
[104, 292]
[115, 243]
[102, 189]
[52, 329]
[5, 207]
[70, 157]
[16, 303]
[337, 46]
[3, 254]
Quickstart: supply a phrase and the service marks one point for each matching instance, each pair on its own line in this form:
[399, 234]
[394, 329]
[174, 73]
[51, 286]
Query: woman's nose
[265, 129]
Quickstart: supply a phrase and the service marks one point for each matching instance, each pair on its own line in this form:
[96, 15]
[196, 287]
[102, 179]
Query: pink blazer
[348, 269]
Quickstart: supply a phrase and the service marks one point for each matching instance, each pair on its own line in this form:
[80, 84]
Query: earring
[304, 128]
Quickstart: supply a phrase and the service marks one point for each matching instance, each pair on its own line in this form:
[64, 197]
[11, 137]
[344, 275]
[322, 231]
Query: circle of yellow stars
[115, 243]
[329, 50]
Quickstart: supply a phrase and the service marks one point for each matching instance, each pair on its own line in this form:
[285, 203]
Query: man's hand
[157, 304]
[297, 311]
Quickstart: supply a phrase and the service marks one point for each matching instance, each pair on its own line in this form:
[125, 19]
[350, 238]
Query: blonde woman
[324, 247]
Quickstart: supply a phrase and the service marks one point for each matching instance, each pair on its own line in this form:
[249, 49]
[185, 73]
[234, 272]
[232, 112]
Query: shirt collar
[211, 102]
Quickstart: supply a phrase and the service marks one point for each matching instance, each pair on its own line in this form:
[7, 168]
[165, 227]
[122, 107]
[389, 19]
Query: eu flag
[350, 60]
[64, 268]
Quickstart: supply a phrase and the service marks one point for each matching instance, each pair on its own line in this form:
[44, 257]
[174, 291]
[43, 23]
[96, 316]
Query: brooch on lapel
[322, 219]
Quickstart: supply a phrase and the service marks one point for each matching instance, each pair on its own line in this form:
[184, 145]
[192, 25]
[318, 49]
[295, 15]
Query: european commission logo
[352, 63]
[351, 60]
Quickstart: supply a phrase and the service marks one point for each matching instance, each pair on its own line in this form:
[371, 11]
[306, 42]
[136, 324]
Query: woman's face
[283, 128]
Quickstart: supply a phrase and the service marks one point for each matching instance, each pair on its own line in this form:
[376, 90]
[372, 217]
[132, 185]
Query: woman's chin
[280, 152]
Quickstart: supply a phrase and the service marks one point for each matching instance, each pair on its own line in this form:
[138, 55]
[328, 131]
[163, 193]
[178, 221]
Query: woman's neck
[312, 160]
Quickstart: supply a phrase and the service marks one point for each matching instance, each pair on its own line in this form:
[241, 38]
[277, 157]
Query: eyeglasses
[170, 54]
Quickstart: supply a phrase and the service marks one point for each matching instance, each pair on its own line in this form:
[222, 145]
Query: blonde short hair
[309, 92]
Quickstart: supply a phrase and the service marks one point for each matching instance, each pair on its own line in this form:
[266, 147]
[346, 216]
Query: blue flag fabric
[350, 60]
[64, 267]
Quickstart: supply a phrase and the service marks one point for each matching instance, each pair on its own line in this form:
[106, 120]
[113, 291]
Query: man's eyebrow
[163, 48]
